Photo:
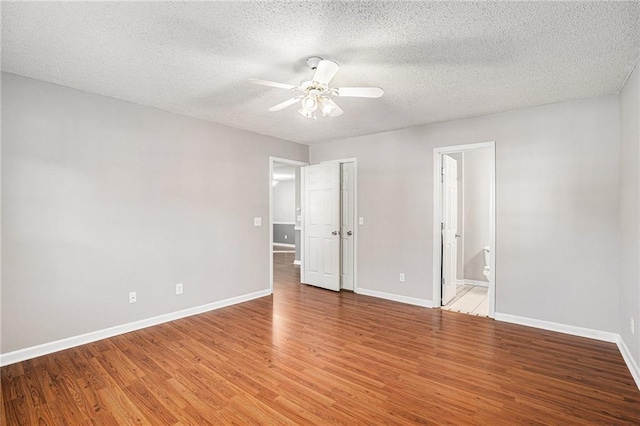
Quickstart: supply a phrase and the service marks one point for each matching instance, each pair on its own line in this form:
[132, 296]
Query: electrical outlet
[401, 277]
[361, 220]
[633, 327]
[132, 297]
[179, 288]
[285, 237]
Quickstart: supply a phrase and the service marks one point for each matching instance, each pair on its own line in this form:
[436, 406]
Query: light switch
[361, 220]
[257, 221]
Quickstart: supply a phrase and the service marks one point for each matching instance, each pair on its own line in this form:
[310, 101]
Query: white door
[321, 225]
[347, 227]
[449, 227]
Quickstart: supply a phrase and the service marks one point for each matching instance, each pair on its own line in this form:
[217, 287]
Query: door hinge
[441, 226]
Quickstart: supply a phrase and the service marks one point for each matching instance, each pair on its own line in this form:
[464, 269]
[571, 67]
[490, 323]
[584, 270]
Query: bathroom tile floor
[470, 299]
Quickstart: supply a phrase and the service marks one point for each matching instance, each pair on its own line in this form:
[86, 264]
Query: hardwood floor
[311, 356]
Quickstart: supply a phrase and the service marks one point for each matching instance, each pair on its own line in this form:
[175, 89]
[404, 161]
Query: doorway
[328, 226]
[464, 228]
[285, 216]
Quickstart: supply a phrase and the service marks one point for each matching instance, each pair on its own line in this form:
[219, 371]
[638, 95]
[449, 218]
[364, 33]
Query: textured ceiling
[436, 61]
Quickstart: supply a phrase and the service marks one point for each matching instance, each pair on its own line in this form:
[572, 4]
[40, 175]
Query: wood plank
[311, 356]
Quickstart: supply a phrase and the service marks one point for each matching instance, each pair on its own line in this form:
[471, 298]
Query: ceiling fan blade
[272, 84]
[325, 71]
[285, 104]
[359, 92]
[330, 108]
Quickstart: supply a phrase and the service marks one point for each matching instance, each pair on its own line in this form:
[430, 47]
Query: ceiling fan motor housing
[313, 62]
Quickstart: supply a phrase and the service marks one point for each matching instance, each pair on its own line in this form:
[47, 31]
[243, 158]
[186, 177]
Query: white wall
[477, 197]
[101, 197]
[284, 201]
[630, 213]
[557, 255]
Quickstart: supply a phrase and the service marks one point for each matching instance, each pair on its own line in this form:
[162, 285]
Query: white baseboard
[396, 297]
[70, 342]
[477, 283]
[297, 262]
[628, 359]
[285, 245]
[605, 336]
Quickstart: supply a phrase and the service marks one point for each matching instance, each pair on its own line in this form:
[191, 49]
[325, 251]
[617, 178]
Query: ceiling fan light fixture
[326, 107]
[305, 113]
[310, 103]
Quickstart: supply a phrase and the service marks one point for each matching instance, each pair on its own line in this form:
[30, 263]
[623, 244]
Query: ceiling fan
[316, 93]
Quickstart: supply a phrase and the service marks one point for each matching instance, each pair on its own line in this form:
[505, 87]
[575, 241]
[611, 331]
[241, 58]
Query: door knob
[334, 233]
[349, 233]
[458, 235]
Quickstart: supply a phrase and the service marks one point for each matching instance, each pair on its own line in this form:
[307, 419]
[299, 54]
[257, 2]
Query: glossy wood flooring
[310, 356]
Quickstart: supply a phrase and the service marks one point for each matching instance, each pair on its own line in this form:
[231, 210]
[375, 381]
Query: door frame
[437, 219]
[293, 163]
[355, 214]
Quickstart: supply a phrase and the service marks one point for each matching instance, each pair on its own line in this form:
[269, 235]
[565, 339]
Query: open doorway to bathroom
[464, 209]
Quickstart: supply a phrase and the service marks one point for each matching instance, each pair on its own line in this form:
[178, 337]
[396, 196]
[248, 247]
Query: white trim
[83, 339]
[341, 160]
[628, 359]
[397, 298]
[356, 227]
[466, 147]
[285, 223]
[284, 245]
[589, 333]
[437, 218]
[269, 182]
[477, 283]
[297, 262]
[302, 233]
[461, 187]
[604, 336]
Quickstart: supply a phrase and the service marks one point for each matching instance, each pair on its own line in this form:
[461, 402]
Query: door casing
[347, 232]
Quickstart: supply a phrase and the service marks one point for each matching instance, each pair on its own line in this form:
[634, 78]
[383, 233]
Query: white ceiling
[436, 61]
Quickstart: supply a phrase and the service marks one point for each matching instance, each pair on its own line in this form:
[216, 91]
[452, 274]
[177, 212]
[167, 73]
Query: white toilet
[487, 261]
